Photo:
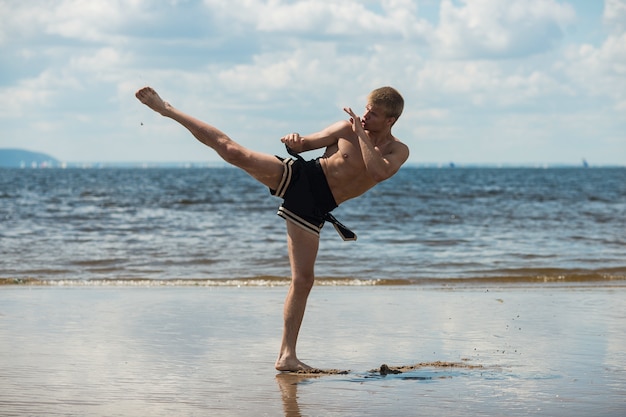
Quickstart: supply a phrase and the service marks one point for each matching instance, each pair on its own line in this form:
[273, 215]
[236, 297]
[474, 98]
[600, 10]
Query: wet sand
[180, 351]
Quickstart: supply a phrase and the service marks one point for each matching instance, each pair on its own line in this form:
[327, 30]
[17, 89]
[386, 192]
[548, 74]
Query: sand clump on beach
[385, 369]
[391, 370]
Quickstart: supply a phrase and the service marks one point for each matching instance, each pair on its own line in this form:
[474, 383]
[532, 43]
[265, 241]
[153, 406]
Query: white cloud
[497, 29]
[79, 19]
[615, 15]
[17, 98]
[104, 64]
[609, 60]
[322, 18]
[72, 19]
[601, 71]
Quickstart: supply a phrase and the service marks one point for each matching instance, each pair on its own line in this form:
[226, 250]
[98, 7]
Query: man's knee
[303, 282]
[233, 153]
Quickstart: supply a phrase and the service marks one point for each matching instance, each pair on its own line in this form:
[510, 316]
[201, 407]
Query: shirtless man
[359, 154]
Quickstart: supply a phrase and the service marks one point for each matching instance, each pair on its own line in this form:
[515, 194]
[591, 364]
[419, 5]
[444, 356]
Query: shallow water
[166, 351]
[218, 223]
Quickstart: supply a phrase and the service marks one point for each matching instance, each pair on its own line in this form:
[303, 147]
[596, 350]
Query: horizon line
[221, 164]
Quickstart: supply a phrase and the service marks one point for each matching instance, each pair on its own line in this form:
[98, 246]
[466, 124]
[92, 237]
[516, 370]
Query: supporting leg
[302, 246]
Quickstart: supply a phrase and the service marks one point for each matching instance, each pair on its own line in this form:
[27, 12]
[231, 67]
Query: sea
[217, 226]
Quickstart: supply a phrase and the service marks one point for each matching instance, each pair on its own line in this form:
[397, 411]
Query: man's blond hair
[388, 99]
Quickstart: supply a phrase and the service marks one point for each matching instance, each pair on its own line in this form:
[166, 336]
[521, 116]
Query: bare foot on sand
[291, 365]
[150, 98]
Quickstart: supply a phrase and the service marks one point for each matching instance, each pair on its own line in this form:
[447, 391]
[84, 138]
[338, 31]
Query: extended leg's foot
[150, 98]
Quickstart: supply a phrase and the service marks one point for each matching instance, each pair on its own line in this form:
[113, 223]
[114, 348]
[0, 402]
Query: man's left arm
[322, 139]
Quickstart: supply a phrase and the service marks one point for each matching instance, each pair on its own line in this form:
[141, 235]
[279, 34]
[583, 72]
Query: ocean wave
[601, 278]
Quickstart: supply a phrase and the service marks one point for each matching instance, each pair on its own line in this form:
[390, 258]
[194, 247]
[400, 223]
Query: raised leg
[266, 168]
[302, 246]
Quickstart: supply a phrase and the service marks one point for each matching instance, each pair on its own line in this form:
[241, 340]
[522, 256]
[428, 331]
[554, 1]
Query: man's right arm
[322, 139]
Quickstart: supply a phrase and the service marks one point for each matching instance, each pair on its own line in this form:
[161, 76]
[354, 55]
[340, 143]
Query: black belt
[344, 232]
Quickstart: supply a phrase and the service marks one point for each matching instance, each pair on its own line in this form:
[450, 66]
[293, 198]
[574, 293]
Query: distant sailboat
[585, 164]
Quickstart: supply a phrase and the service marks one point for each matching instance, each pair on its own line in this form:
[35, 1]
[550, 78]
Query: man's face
[374, 118]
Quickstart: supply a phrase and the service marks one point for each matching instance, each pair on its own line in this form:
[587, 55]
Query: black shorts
[307, 198]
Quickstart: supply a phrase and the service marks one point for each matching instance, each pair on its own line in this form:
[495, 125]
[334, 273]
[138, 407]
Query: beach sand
[551, 350]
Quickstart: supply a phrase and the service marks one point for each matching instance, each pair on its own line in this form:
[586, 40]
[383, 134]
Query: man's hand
[357, 125]
[294, 141]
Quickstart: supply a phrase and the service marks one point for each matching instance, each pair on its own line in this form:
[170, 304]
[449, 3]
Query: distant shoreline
[203, 165]
[25, 159]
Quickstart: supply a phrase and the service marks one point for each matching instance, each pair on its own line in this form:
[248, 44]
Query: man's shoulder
[341, 126]
[400, 150]
[340, 129]
[398, 145]
[337, 126]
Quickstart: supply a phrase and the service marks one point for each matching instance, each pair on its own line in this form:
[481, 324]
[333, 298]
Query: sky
[484, 81]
